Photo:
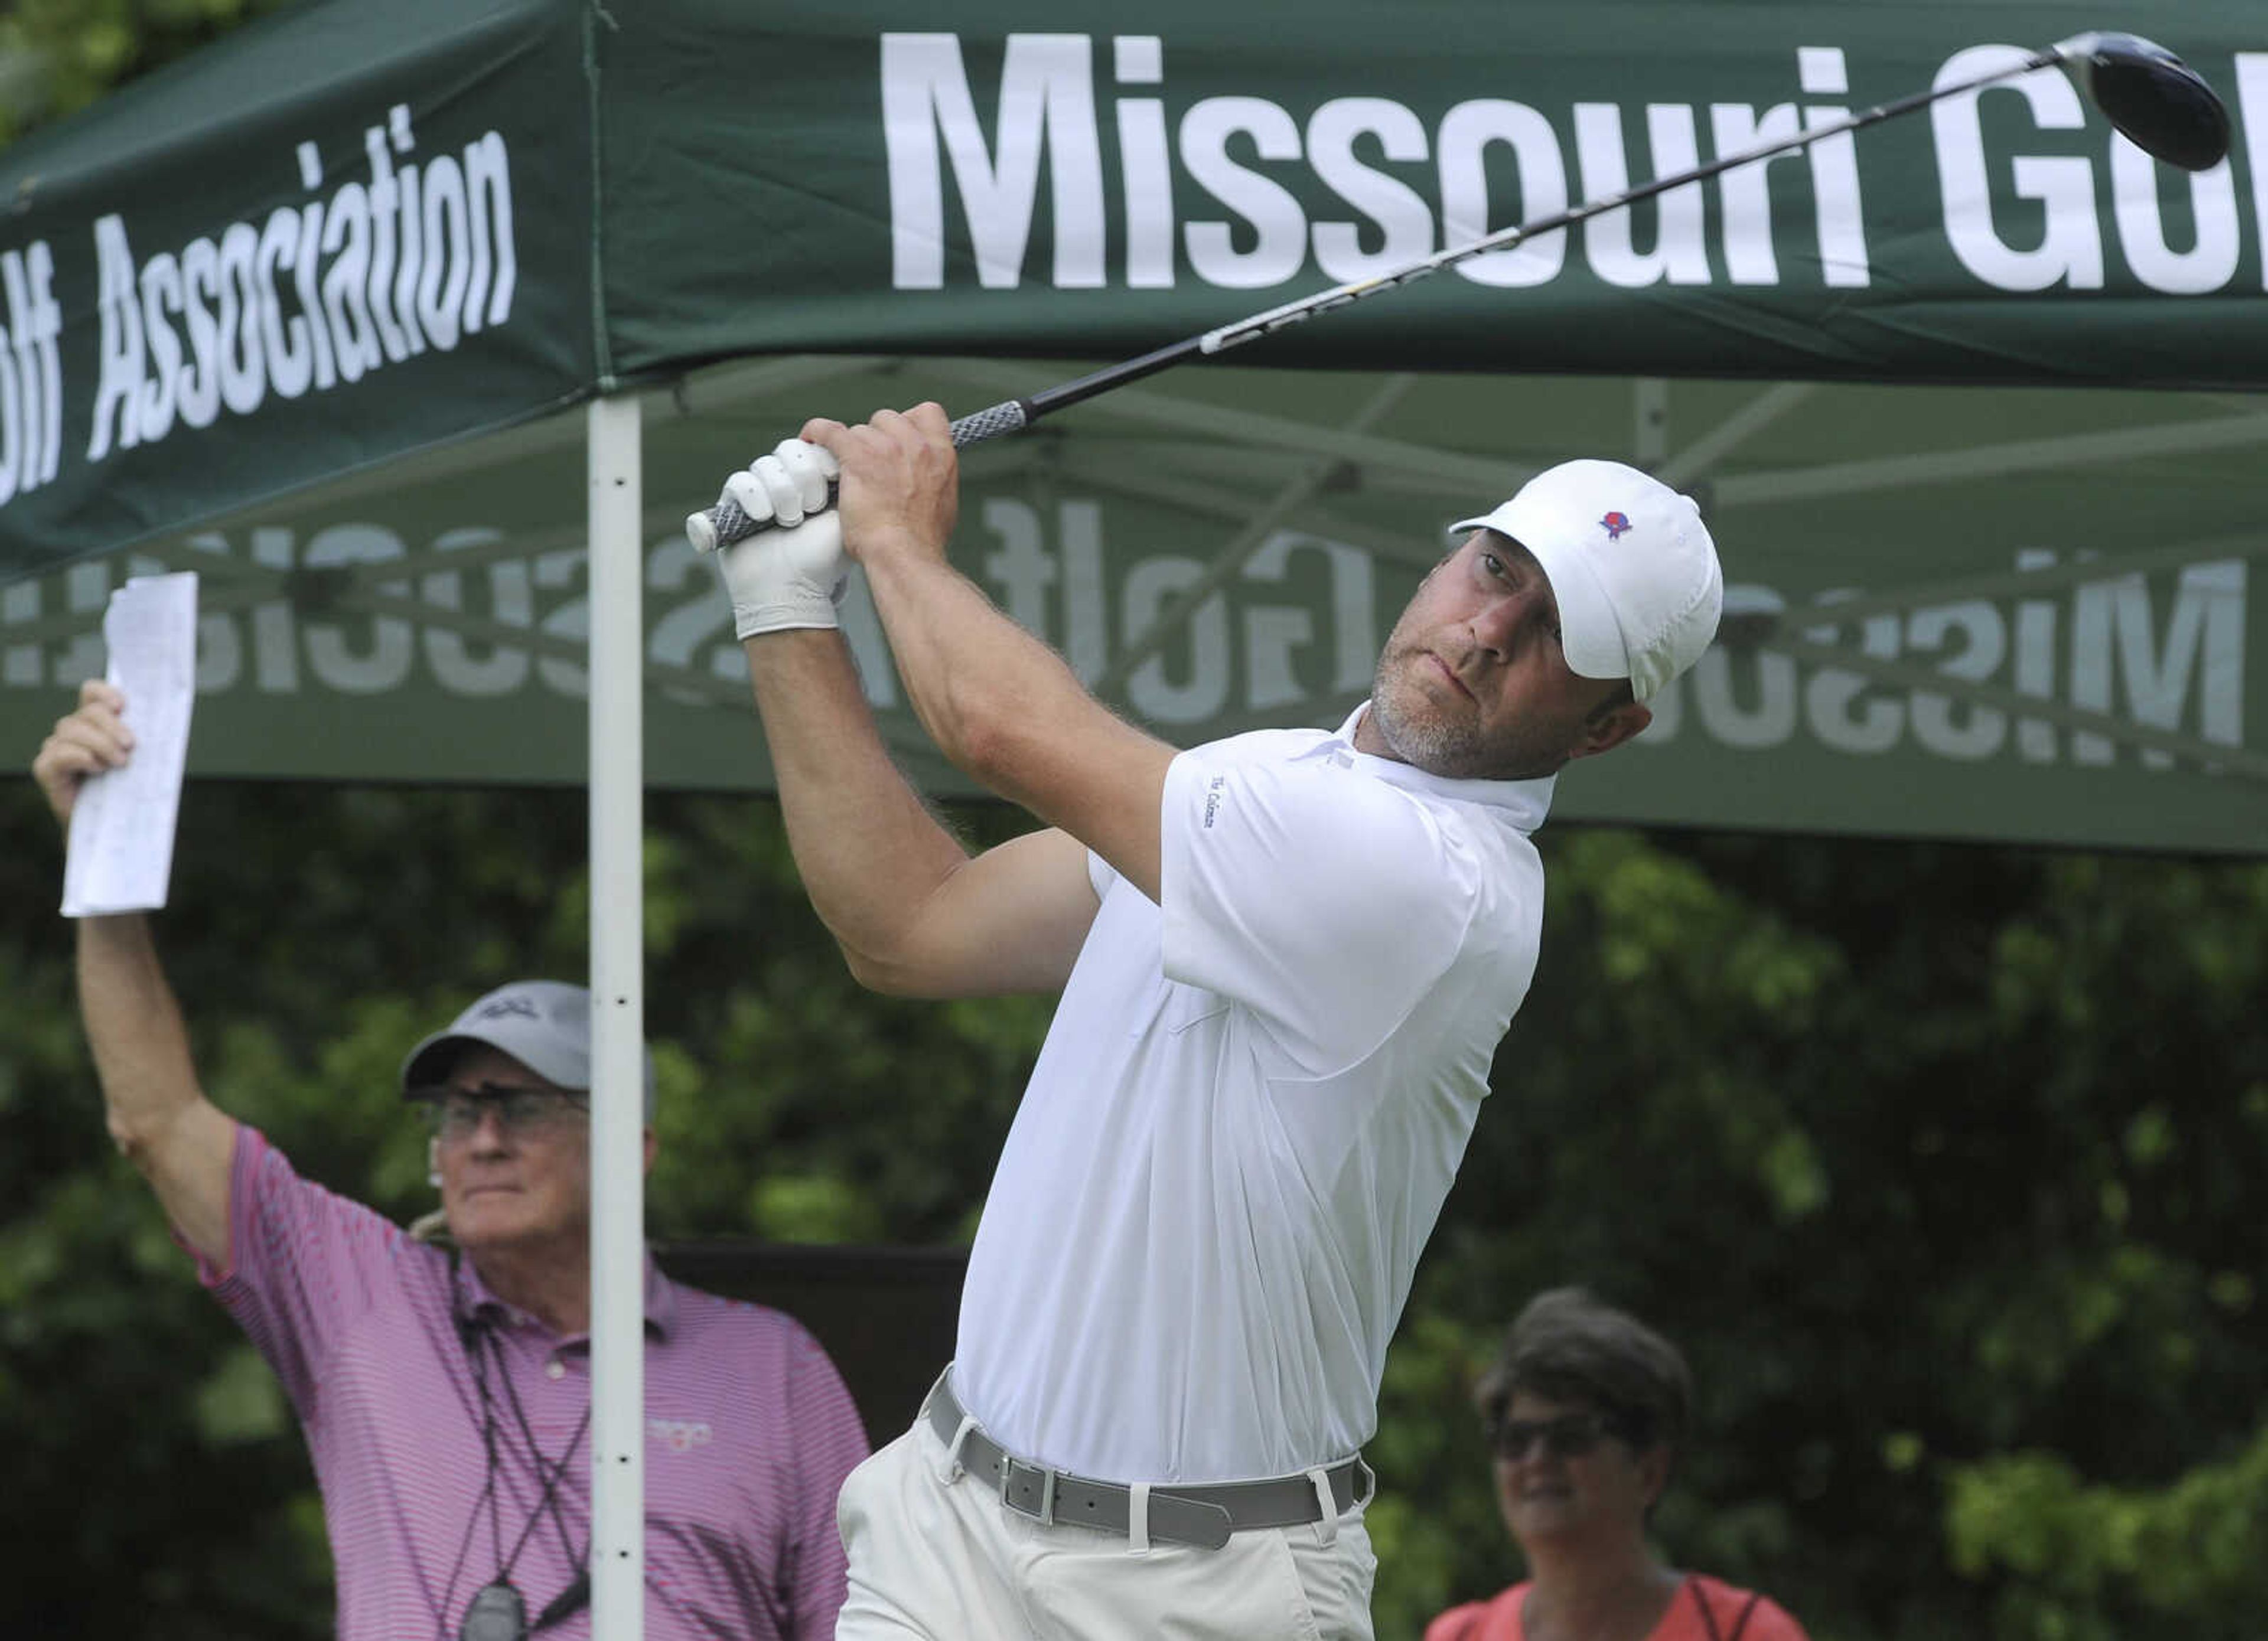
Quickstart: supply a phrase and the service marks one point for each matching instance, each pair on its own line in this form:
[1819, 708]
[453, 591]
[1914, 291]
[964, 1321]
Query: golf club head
[2157, 101]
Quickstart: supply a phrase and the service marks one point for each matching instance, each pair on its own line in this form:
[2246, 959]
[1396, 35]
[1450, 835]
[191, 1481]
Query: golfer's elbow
[879, 974]
[882, 954]
[918, 964]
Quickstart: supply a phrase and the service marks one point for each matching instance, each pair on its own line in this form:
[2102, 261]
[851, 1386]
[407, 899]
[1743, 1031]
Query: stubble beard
[1423, 736]
[1418, 736]
[1419, 732]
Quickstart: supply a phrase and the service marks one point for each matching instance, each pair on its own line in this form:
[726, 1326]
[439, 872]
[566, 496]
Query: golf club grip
[730, 524]
[1010, 415]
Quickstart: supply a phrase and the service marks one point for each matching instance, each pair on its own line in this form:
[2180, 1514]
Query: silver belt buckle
[1046, 1513]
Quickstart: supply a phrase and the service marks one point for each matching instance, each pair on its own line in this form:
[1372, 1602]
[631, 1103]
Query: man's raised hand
[85, 743]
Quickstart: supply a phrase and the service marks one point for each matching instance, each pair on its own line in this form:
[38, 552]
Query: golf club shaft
[727, 523]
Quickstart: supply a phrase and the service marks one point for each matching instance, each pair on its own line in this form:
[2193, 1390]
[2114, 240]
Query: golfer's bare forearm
[153, 1106]
[870, 853]
[1010, 713]
[976, 679]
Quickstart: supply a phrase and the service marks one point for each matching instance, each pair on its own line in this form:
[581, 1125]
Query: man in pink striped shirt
[447, 1399]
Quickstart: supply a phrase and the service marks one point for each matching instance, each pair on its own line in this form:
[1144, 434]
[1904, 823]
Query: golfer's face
[515, 1160]
[1472, 681]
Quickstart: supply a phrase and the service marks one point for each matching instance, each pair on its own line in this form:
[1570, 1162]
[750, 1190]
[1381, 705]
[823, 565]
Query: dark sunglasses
[455, 1112]
[1569, 1436]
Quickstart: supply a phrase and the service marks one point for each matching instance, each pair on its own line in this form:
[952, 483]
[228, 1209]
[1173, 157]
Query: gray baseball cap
[543, 1024]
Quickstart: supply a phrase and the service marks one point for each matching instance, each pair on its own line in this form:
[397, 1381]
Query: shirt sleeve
[303, 1263]
[1323, 899]
[830, 1443]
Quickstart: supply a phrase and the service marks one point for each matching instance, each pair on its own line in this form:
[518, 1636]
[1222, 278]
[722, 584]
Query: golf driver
[2153, 99]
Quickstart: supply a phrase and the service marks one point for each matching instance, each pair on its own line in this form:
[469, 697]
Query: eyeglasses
[457, 1112]
[1568, 1435]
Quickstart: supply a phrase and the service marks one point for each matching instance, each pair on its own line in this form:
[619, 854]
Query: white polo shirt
[1247, 1113]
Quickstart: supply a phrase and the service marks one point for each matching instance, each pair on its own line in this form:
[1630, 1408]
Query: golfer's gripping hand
[792, 575]
[900, 492]
[85, 743]
[897, 480]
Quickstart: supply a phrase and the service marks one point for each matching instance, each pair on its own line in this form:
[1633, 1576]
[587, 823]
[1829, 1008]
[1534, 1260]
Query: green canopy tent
[295, 314]
[1967, 395]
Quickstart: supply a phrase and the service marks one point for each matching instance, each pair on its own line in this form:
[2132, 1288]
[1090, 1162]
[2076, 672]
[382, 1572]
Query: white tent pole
[617, 779]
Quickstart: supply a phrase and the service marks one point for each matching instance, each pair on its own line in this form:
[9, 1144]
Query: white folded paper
[120, 855]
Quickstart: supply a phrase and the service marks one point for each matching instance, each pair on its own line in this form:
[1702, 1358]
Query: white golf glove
[791, 575]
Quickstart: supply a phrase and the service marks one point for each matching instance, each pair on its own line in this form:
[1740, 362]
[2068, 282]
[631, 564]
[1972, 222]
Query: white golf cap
[1631, 564]
[543, 1024]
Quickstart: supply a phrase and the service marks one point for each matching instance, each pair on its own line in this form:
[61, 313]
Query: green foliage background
[1945, 1165]
[58, 55]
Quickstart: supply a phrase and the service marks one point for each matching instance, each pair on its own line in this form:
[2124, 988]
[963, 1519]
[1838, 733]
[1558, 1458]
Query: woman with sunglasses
[1586, 1408]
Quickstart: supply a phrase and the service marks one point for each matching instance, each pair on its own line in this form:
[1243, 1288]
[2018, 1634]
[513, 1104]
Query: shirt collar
[473, 1297]
[1525, 803]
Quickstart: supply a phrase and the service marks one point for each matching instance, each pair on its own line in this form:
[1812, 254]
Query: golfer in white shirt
[1286, 961]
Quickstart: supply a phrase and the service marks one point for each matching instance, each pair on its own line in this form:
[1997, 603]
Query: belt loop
[960, 1438]
[1327, 1524]
[1137, 1518]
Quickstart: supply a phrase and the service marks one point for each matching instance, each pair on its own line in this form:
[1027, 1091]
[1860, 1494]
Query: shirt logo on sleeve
[1213, 791]
[681, 1435]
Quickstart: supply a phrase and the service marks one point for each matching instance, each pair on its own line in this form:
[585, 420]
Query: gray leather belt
[1204, 1516]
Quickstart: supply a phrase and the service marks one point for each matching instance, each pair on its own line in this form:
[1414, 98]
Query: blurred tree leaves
[1934, 1159]
[58, 55]
[1943, 1165]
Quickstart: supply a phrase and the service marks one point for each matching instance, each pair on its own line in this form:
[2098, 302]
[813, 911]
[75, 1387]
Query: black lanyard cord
[478, 1337]
[467, 1338]
[550, 1474]
[1740, 1623]
[488, 1490]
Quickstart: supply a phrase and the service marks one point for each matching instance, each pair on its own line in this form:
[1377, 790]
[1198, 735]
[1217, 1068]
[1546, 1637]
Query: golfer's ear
[1610, 729]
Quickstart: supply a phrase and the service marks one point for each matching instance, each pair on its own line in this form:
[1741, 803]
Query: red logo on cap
[1613, 524]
